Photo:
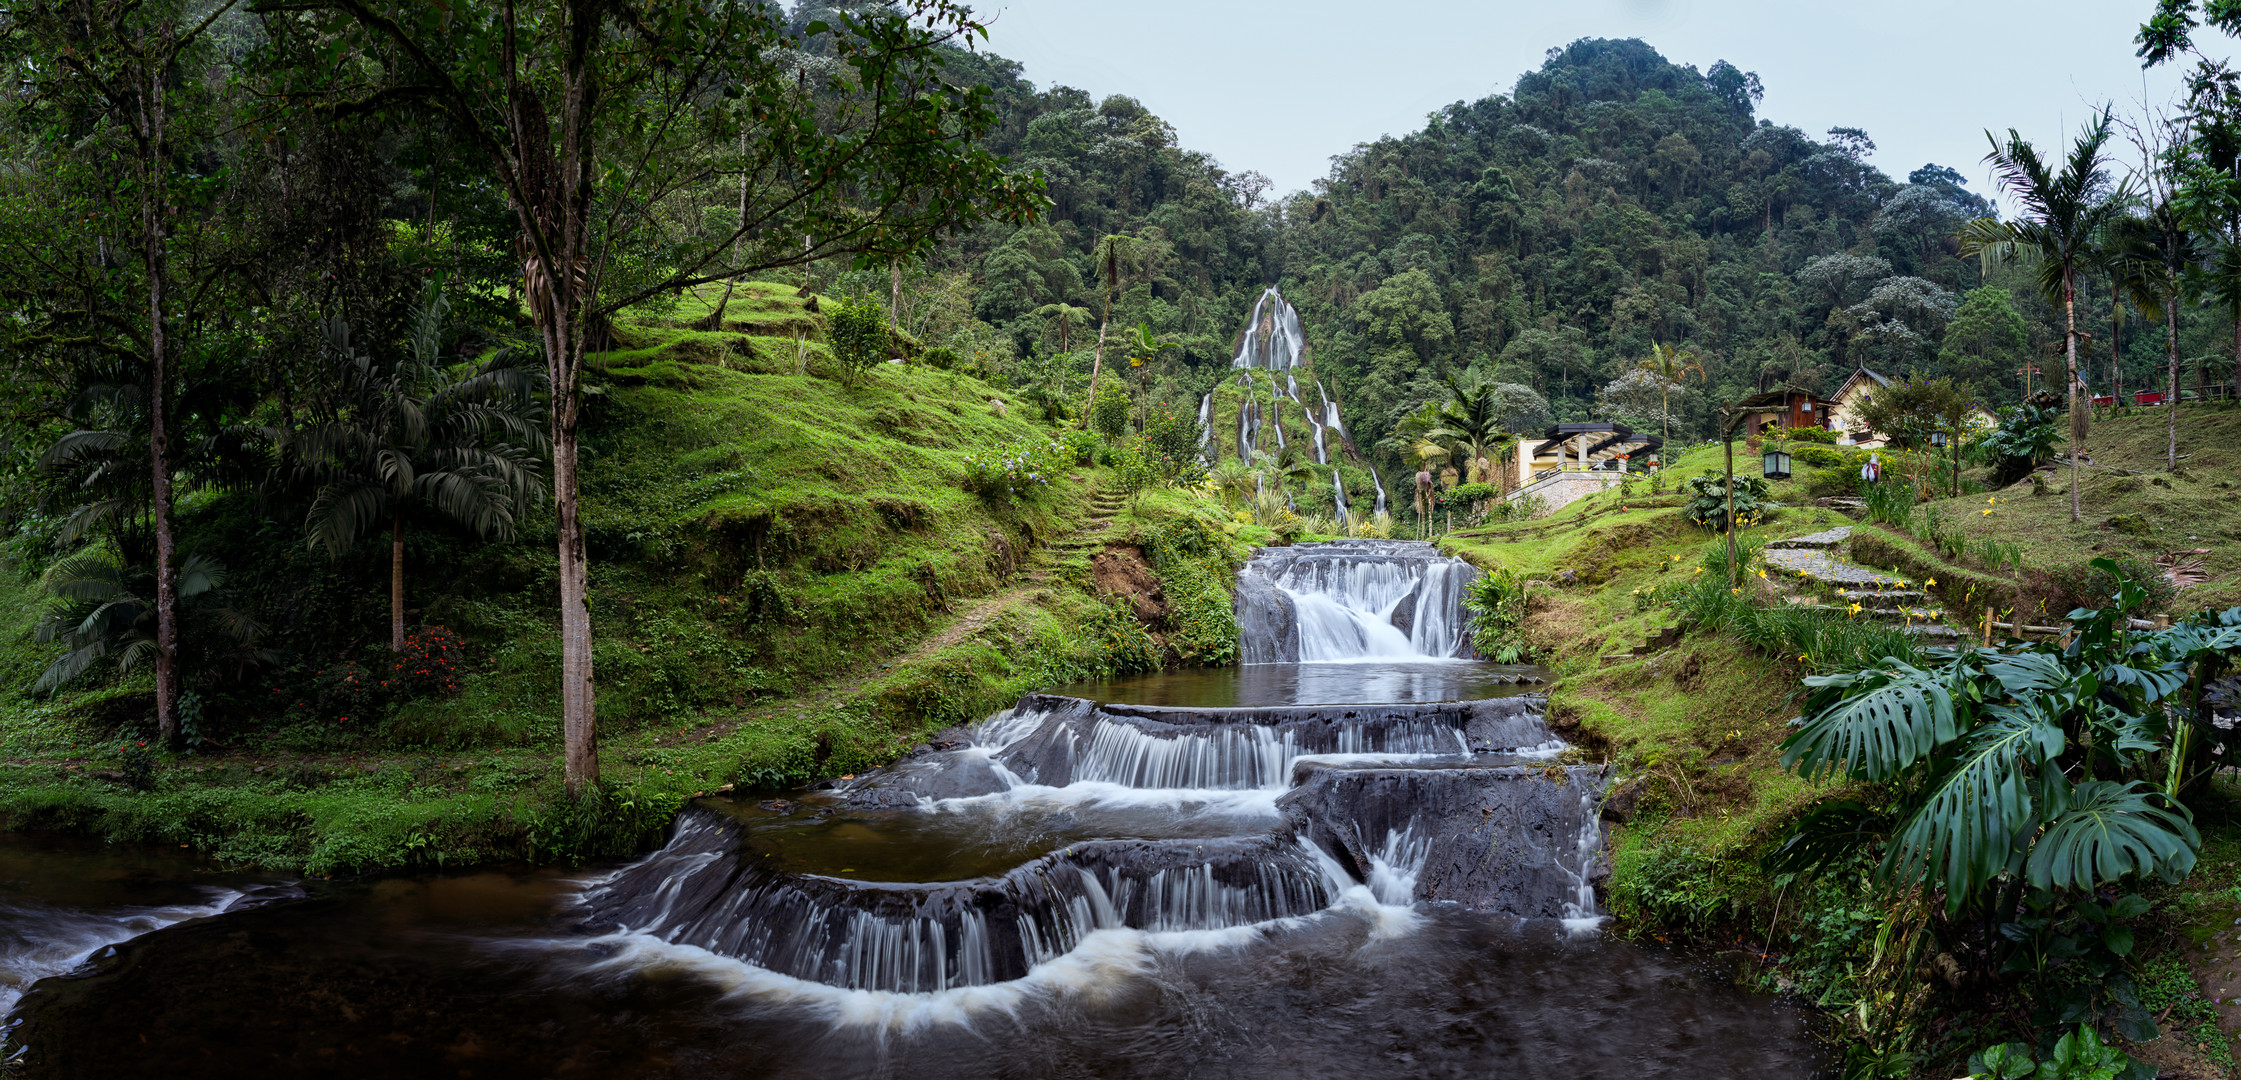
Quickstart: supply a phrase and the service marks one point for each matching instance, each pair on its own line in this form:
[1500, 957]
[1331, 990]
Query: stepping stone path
[1812, 556]
[1882, 596]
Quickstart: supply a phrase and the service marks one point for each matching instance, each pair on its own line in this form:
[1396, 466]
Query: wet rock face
[1267, 626]
[1521, 838]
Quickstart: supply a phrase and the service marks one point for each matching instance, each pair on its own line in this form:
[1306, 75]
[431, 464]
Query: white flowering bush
[1017, 471]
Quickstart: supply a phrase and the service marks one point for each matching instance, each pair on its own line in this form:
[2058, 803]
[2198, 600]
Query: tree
[122, 63]
[407, 439]
[1671, 366]
[1143, 348]
[598, 118]
[2063, 210]
[1986, 338]
[1063, 315]
[1116, 254]
[1474, 425]
[2162, 249]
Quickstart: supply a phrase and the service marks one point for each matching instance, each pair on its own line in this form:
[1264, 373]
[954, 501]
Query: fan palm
[2064, 209]
[103, 610]
[1671, 366]
[411, 439]
[1115, 254]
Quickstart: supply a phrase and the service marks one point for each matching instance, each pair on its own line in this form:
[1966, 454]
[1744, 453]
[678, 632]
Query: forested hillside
[1547, 237]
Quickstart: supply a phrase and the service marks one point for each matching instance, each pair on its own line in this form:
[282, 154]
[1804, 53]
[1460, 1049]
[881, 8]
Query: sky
[1282, 87]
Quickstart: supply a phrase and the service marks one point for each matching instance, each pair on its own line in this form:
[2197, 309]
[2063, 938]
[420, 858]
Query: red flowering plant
[428, 665]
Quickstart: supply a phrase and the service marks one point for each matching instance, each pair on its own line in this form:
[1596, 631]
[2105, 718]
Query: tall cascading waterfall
[1338, 499]
[1206, 429]
[1352, 600]
[1379, 483]
[1273, 340]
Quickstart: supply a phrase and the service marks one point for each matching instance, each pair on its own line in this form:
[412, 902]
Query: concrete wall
[1565, 488]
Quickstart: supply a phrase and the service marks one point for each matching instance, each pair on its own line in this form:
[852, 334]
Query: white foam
[65, 939]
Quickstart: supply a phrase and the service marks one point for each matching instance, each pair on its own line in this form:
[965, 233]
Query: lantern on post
[1776, 465]
[1937, 438]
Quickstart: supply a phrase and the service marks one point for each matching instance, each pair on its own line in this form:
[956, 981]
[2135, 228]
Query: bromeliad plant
[2020, 783]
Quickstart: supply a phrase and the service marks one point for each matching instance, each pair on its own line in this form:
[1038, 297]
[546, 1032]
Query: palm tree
[404, 440]
[1065, 315]
[2063, 211]
[1114, 255]
[104, 610]
[1474, 425]
[1670, 365]
[1143, 348]
[2157, 251]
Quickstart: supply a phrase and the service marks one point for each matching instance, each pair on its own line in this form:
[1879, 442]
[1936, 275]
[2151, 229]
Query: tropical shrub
[1708, 502]
[1461, 496]
[940, 356]
[1497, 604]
[2026, 439]
[1826, 457]
[2094, 585]
[1108, 414]
[856, 332]
[1082, 446]
[1812, 435]
[1017, 471]
[1890, 501]
[428, 665]
[1172, 436]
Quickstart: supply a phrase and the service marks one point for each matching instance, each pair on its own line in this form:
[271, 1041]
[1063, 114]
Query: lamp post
[1735, 419]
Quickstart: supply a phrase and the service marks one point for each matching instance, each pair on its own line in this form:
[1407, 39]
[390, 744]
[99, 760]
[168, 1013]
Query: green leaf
[2110, 831]
[1977, 807]
[1892, 719]
[2118, 939]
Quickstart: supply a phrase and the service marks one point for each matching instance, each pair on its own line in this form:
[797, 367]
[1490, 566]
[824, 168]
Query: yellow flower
[1985, 512]
[1853, 610]
[1801, 658]
[1762, 573]
[1932, 583]
[1699, 569]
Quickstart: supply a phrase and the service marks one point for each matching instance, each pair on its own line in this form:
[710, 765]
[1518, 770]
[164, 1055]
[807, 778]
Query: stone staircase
[1883, 597]
[1077, 547]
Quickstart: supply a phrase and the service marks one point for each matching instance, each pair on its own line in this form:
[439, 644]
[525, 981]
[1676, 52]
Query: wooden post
[2163, 622]
[2019, 624]
[1987, 627]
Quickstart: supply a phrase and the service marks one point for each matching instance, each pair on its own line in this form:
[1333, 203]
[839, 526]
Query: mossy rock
[2131, 524]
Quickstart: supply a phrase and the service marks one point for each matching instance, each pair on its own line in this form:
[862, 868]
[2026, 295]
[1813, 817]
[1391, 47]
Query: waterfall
[1353, 600]
[1338, 488]
[1273, 339]
[1206, 429]
[1380, 508]
[1291, 388]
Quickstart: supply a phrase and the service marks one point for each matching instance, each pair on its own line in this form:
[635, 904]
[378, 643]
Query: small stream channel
[1367, 865]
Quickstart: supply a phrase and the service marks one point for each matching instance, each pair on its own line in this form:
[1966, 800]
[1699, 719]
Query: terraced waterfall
[1392, 879]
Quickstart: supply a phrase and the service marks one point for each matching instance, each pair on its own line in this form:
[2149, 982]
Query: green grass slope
[789, 580]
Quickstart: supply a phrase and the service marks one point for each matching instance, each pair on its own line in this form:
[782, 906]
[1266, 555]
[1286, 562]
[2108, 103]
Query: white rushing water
[1273, 338]
[1353, 600]
[38, 940]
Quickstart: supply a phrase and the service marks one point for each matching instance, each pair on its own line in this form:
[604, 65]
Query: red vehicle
[2145, 397]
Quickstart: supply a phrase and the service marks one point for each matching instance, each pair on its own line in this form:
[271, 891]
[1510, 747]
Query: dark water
[1255, 685]
[480, 975]
[157, 963]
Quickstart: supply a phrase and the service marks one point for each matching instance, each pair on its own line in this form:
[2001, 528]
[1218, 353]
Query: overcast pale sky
[1281, 87]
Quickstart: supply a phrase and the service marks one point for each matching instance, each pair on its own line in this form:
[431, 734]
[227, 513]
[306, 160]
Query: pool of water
[486, 975]
[1363, 683]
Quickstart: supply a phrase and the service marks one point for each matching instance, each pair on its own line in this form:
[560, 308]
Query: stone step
[1881, 599]
[1820, 541]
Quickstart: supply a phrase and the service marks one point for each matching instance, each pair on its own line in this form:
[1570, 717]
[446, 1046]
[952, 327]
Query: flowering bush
[1017, 471]
[428, 665]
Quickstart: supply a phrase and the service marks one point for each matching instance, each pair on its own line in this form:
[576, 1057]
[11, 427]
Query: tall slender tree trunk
[1098, 365]
[715, 319]
[2171, 399]
[154, 228]
[397, 581]
[2116, 351]
[2077, 421]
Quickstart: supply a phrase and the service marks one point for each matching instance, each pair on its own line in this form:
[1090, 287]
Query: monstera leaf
[2109, 831]
[1890, 719]
[1977, 805]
